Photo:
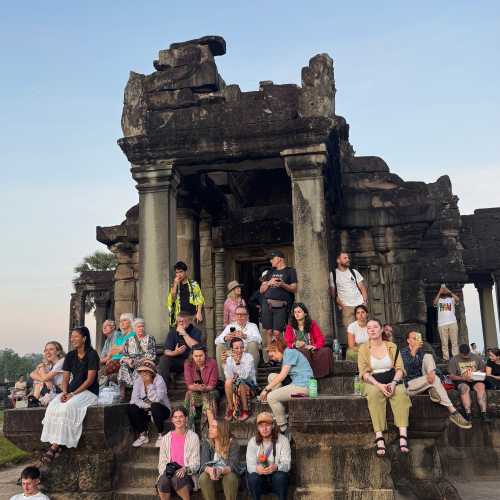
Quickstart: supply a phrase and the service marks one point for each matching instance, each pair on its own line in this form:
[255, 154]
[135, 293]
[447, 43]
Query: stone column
[306, 166]
[188, 240]
[484, 287]
[157, 186]
[207, 280]
[496, 277]
[220, 289]
[101, 299]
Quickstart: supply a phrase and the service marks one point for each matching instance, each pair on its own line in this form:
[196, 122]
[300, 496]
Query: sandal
[51, 454]
[403, 447]
[380, 449]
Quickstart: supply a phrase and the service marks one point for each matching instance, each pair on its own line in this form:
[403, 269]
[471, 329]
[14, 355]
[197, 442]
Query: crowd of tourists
[196, 447]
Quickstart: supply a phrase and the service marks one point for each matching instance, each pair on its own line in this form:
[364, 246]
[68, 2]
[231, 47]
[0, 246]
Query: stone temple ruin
[224, 176]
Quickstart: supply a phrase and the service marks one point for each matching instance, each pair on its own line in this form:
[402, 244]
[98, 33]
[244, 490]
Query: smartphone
[443, 285]
[418, 336]
[232, 329]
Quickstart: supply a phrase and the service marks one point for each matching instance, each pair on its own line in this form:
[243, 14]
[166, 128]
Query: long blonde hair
[221, 445]
[59, 348]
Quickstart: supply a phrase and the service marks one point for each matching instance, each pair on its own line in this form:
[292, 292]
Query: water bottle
[313, 388]
[336, 347]
[357, 385]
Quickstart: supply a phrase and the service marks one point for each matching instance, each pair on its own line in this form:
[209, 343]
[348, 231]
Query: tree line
[12, 365]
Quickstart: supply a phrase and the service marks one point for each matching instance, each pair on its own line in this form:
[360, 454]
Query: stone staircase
[138, 471]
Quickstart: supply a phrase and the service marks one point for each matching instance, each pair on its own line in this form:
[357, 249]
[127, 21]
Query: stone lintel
[160, 176]
[482, 280]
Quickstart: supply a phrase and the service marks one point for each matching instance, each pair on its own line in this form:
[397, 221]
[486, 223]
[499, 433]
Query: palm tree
[98, 261]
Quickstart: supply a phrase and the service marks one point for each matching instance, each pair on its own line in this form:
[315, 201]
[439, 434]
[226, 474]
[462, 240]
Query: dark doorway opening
[249, 273]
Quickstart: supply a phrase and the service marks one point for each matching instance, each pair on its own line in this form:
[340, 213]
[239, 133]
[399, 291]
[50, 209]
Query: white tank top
[381, 365]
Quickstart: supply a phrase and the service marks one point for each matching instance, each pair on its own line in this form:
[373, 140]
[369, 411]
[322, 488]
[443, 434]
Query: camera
[171, 468]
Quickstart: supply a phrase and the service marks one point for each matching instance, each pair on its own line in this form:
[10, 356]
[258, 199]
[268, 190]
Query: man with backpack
[348, 287]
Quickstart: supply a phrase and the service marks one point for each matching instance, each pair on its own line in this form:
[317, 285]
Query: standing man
[445, 302]
[180, 339]
[184, 295]
[278, 290]
[348, 287]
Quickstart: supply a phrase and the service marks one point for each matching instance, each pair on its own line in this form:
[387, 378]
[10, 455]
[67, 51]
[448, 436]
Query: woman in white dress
[63, 422]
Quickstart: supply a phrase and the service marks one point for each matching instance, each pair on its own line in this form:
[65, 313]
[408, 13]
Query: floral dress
[137, 350]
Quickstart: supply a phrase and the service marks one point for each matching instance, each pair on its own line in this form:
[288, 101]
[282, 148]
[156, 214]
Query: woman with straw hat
[233, 301]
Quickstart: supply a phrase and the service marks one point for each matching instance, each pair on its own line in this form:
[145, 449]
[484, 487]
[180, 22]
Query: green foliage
[8, 452]
[98, 261]
[12, 366]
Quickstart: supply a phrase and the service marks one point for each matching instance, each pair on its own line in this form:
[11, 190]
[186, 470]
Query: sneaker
[434, 395]
[460, 421]
[158, 441]
[486, 418]
[142, 439]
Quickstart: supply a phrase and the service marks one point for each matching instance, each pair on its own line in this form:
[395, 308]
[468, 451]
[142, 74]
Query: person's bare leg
[183, 493]
[243, 394]
[465, 397]
[164, 496]
[228, 389]
[403, 441]
[481, 396]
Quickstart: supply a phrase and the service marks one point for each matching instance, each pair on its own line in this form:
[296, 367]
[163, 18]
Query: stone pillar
[496, 277]
[220, 289]
[305, 166]
[101, 299]
[157, 186]
[484, 287]
[188, 240]
[207, 280]
[463, 331]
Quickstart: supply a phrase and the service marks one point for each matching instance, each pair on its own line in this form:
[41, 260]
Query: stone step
[138, 474]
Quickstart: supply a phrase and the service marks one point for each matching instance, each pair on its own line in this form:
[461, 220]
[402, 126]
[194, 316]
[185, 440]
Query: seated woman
[357, 333]
[63, 421]
[219, 461]
[179, 458]
[304, 334]
[240, 385]
[268, 460]
[149, 399]
[381, 368]
[493, 369]
[48, 376]
[293, 364]
[136, 349]
[19, 391]
[200, 375]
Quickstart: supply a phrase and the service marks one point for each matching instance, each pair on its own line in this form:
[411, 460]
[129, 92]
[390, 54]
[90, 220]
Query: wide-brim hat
[265, 416]
[232, 285]
[147, 366]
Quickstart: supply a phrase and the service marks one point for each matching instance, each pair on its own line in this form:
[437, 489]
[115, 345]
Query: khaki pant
[230, 483]
[279, 395]
[377, 405]
[251, 347]
[347, 315]
[420, 384]
[449, 332]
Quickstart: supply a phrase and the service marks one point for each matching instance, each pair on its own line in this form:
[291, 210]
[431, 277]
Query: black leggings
[139, 417]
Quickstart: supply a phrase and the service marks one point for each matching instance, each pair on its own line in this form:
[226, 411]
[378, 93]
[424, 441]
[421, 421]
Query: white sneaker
[158, 441]
[142, 439]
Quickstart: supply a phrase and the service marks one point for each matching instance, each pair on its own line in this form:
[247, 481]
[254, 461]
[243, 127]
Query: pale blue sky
[419, 85]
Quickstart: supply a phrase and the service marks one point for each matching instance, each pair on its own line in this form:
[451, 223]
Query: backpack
[334, 278]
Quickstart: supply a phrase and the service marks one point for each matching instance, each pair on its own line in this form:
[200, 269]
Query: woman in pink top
[304, 334]
[179, 458]
[233, 301]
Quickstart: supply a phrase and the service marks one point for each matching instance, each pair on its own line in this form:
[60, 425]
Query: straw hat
[147, 366]
[232, 285]
[265, 416]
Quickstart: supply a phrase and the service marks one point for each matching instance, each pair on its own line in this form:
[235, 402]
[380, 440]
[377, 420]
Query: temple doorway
[248, 274]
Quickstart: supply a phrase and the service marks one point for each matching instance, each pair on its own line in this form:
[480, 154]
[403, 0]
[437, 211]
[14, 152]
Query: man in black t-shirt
[178, 345]
[278, 290]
